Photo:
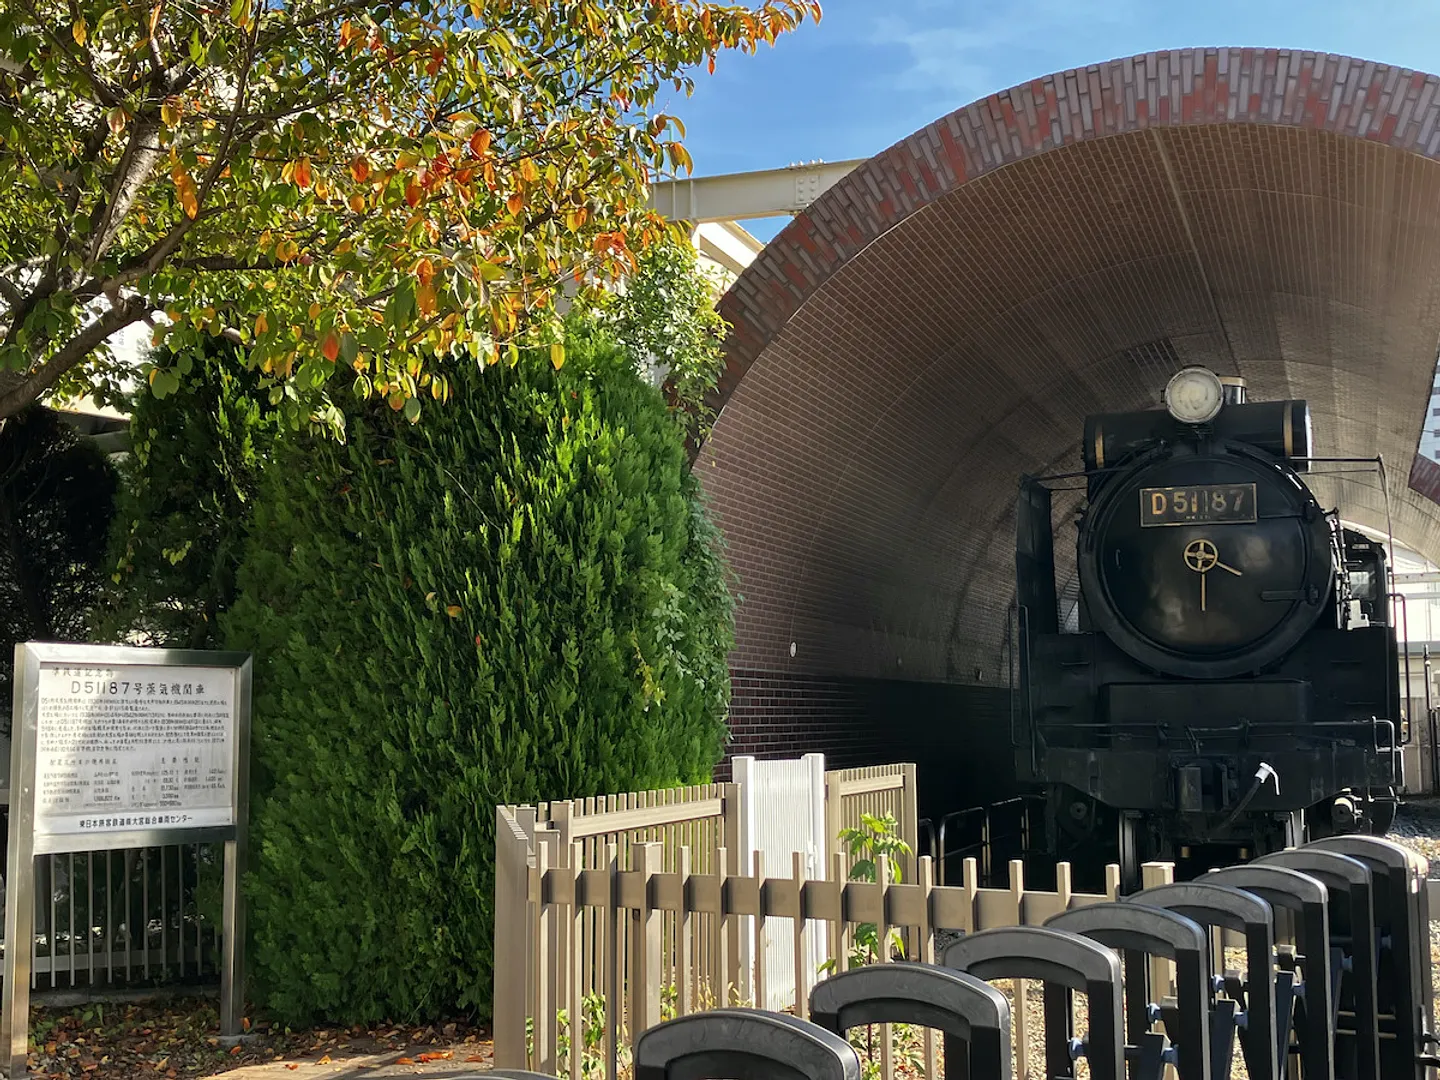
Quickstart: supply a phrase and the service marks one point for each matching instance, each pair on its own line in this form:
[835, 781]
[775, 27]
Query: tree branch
[137, 164]
[15, 395]
[217, 263]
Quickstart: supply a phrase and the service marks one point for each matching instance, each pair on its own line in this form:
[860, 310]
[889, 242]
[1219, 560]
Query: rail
[124, 919]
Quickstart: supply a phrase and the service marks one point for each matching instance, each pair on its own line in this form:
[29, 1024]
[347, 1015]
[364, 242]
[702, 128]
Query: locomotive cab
[1234, 683]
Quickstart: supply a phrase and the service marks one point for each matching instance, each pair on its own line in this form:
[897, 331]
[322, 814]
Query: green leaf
[503, 240]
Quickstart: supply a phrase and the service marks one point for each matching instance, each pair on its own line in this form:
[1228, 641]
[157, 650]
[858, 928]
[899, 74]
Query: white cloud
[965, 51]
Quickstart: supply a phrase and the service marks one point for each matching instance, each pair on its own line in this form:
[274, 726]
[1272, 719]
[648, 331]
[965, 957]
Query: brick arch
[1317, 91]
[941, 320]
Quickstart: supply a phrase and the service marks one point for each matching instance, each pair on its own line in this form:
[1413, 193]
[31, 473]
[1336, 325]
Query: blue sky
[874, 71]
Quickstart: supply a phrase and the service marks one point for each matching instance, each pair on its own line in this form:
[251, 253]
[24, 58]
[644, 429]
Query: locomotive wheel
[1380, 815]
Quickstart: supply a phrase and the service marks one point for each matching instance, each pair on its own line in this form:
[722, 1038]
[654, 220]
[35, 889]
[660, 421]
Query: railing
[122, 918]
[694, 832]
[649, 921]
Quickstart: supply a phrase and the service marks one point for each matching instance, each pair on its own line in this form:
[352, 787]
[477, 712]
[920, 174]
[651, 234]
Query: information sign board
[117, 747]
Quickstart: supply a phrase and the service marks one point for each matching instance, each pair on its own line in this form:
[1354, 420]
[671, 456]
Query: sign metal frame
[26, 845]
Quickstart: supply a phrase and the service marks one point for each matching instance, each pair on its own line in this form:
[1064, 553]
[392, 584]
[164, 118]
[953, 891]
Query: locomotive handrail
[1403, 635]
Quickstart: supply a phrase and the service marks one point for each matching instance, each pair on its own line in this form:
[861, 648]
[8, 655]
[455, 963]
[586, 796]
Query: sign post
[115, 747]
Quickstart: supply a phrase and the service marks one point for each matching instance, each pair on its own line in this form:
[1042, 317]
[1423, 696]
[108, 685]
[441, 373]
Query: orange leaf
[515, 203]
[234, 1051]
[357, 203]
[185, 189]
[425, 299]
[529, 171]
[324, 1060]
[454, 612]
[360, 169]
[425, 271]
[476, 1057]
[480, 142]
[711, 64]
[442, 1055]
[330, 347]
[413, 194]
[405, 1061]
[291, 1065]
[302, 172]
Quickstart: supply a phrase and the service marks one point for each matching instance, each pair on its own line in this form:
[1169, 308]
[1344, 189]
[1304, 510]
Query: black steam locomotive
[1228, 680]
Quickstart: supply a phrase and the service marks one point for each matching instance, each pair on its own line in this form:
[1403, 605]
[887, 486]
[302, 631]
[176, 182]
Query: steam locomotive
[1228, 682]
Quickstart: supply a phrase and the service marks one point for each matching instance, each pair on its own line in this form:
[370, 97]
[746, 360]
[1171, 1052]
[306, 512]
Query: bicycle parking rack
[974, 1016]
[1249, 1009]
[1065, 963]
[1302, 1005]
[1404, 997]
[1353, 953]
[1139, 932]
[743, 1044]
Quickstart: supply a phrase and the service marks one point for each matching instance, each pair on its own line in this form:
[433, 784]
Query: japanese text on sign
[134, 747]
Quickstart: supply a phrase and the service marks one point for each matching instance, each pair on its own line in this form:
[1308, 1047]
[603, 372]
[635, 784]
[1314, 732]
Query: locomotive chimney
[1234, 387]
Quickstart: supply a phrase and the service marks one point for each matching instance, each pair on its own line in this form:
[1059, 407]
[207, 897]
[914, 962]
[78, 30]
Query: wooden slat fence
[663, 942]
[876, 790]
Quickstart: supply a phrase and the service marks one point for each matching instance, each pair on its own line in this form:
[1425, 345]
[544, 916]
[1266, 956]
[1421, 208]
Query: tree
[518, 599]
[56, 498]
[184, 507]
[329, 182]
[665, 317]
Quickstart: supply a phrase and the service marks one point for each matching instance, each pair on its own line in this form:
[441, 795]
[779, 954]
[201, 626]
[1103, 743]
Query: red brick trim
[1283, 87]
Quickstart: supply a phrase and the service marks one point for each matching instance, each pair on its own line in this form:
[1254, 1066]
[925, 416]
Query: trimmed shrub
[184, 508]
[518, 598]
[57, 495]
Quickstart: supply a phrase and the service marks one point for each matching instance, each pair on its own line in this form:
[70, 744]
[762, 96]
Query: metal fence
[126, 919]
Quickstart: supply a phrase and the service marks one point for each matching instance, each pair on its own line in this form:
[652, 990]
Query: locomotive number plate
[1196, 504]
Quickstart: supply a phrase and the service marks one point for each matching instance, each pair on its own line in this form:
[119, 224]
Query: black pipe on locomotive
[1231, 684]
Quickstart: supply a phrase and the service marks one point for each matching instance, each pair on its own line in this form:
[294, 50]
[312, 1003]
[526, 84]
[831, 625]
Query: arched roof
[941, 321]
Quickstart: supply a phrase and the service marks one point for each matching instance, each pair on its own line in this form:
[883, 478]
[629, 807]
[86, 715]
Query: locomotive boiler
[1228, 680]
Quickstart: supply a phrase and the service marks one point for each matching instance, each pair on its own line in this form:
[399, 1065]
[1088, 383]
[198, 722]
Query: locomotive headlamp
[1194, 395]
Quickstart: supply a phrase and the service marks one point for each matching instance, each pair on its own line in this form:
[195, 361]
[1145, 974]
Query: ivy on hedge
[519, 599]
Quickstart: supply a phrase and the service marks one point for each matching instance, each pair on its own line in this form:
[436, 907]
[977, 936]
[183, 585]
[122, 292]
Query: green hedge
[519, 598]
